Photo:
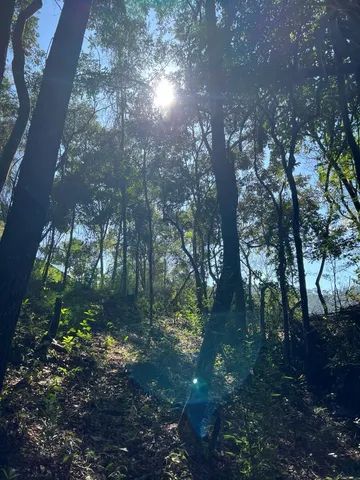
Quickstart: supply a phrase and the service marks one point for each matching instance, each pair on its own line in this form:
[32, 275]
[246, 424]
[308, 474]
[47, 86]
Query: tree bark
[116, 257]
[196, 408]
[296, 227]
[351, 140]
[281, 270]
[150, 242]
[27, 215]
[199, 285]
[18, 67]
[318, 286]
[68, 251]
[49, 256]
[124, 273]
[7, 8]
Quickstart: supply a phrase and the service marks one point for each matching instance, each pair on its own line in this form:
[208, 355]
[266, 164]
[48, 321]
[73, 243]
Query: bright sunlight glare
[164, 94]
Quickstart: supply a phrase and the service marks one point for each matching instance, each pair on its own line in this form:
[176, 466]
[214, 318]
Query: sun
[164, 94]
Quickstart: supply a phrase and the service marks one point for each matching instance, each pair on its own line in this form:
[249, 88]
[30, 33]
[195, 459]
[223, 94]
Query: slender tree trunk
[318, 286]
[101, 253]
[281, 270]
[27, 215]
[196, 409]
[49, 256]
[7, 8]
[351, 140]
[18, 66]
[283, 283]
[124, 275]
[296, 226]
[150, 243]
[262, 312]
[137, 266]
[68, 251]
[93, 271]
[199, 286]
[116, 257]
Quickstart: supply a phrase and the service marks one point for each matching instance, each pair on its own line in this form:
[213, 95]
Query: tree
[18, 65]
[27, 215]
[227, 196]
[7, 8]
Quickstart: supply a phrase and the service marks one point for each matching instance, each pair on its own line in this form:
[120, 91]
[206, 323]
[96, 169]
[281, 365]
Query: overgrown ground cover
[108, 406]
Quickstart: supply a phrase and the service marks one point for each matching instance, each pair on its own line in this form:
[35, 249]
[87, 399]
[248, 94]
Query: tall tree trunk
[116, 257]
[318, 286]
[262, 322]
[150, 242]
[137, 266]
[7, 8]
[18, 66]
[351, 140]
[296, 227]
[283, 282]
[281, 270]
[27, 215]
[68, 250]
[288, 166]
[196, 409]
[49, 256]
[199, 285]
[101, 253]
[124, 274]
[93, 271]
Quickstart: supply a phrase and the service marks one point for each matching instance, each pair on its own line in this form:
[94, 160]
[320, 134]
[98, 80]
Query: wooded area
[179, 221]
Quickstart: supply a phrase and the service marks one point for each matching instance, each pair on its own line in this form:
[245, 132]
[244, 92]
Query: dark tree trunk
[196, 409]
[93, 271]
[262, 312]
[296, 226]
[55, 319]
[27, 215]
[318, 286]
[137, 266]
[199, 285]
[283, 282]
[68, 251]
[116, 257]
[124, 274]
[7, 8]
[281, 270]
[18, 66]
[351, 140]
[150, 242]
[49, 256]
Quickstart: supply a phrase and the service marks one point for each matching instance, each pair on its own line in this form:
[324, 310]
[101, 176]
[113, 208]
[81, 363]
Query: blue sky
[48, 18]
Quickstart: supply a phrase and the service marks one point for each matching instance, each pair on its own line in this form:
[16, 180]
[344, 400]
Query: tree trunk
[281, 271]
[49, 256]
[124, 274]
[262, 313]
[7, 8]
[318, 286]
[351, 140]
[283, 283]
[137, 266]
[199, 285]
[18, 66]
[150, 242]
[296, 226]
[116, 257]
[68, 251]
[196, 409]
[27, 215]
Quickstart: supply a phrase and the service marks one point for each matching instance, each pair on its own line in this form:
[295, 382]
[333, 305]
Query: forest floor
[109, 411]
